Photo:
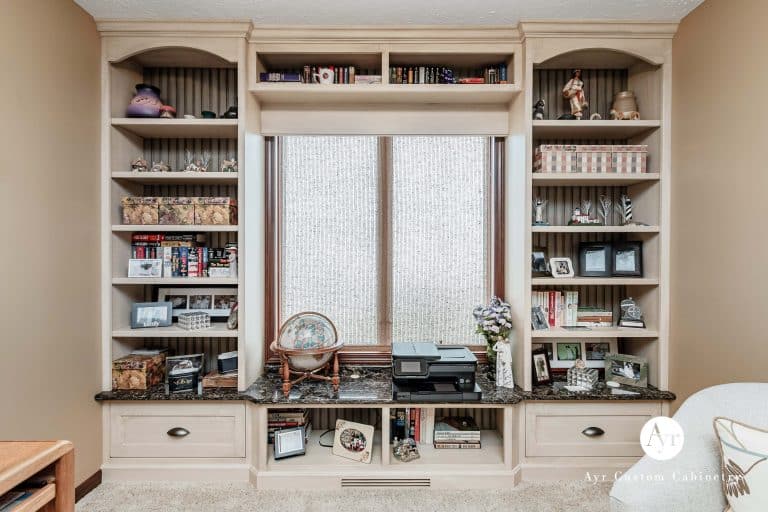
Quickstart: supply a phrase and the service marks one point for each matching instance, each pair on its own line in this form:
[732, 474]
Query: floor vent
[386, 482]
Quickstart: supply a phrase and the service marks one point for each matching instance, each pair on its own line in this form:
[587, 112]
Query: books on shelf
[185, 254]
[559, 307]
[287, 418]
[342, 74]
[445, 75]
[594, 317]
[457, 432]
[416, 423]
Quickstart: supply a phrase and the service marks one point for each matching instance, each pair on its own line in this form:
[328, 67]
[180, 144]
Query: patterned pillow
[744, 463]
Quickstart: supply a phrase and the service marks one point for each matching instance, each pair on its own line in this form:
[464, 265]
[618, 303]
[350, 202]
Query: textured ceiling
[390, 12]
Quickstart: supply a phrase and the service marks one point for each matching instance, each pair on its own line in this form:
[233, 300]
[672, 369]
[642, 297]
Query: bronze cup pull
[593, 431]
[178, 432]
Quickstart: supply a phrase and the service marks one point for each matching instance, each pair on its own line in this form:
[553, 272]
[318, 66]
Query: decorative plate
[307, 331]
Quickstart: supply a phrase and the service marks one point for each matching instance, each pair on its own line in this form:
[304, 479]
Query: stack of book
[594, 317]
[559, 307]
[278, 419]
[185, 254]
[415, 423]
[457, 432]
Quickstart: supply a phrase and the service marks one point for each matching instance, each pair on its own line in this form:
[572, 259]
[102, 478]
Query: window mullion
[384, 259]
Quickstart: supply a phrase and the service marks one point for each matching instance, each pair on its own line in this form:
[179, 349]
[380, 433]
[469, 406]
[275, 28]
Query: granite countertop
[158, 393]
[557, 391]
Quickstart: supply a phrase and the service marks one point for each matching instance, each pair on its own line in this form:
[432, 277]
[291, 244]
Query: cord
[320, 439]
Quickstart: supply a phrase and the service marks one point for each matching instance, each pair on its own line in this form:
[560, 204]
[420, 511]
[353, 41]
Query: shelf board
[596, 332]
[38, 499]
[604, 129]
[595, 229]
[195, 228]
[594, 281]
[491, 453]
[464, 94]
[156, 128]
[556, 179]
[318, 457]
[175, 178]
[200, 281]
[216, 330]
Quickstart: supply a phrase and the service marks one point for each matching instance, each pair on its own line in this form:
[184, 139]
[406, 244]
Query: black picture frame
[587, 259]
[540, 357]
[290, 442]
[539, 262]
[622, 251]
[539, 320]
[144, 315]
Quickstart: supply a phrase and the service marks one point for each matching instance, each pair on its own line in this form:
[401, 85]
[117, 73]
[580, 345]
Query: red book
[147, 237]
[552, 308]
[417, 435]
[471, 80]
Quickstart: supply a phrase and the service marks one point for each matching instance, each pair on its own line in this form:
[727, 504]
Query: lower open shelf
[319, 456]
[491, 453]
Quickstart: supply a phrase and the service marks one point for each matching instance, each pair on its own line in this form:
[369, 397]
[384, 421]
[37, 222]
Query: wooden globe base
[320, 373]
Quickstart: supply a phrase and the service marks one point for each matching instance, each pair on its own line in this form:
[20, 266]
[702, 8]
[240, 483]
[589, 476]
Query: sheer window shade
[423, 281]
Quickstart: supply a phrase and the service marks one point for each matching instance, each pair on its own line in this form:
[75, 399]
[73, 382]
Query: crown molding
[597, 28]
[175, 28]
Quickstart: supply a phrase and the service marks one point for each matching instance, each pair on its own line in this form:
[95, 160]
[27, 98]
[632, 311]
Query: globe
[308, 332]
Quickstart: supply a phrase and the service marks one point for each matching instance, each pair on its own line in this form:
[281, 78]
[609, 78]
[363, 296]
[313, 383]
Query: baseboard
[125, 471]
[87, 486]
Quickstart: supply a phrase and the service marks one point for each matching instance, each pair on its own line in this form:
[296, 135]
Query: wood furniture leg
[286, 379]
[335, 379]
[65, 483]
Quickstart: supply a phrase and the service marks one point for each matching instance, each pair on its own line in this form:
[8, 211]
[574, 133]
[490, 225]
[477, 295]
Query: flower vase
[145, 103]
[491, 353]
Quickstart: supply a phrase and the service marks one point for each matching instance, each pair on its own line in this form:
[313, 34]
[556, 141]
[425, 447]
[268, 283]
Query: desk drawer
[586, 429]
[192, 430]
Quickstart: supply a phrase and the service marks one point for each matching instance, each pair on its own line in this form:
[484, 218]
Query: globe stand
[287, 371]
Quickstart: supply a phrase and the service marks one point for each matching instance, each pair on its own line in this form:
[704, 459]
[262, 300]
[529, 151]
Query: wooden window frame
[379, 354]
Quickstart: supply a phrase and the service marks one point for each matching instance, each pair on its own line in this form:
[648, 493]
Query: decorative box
[555, 158]
[194, 321]
[630, 159]
[140, 210]
[138, 371]
[176, 210]
[215, 210]
[584, 377]
[216, 380]
[227, 362]
[594, 159]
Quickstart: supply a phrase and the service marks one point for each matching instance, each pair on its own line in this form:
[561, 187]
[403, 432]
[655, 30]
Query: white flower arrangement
[494, 321]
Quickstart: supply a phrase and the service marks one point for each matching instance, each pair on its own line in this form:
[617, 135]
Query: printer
[425, 372]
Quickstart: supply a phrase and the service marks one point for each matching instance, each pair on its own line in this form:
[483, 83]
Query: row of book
[444, 75]
[185, 254]
[419, 424]
[278, 419]
[341, 75]
[562, 310]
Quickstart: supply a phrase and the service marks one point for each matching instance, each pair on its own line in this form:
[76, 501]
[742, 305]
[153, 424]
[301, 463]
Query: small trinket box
[194, 321]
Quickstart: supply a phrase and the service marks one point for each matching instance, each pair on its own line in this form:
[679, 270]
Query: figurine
[574, 92]
[595, 117]
[586, 207]
[624, 209]
[624, 106]
[167, 112]
[538, 110]
[139, 165]
[605, 208]
[504, 376]
[160, 167]
[231, 113]
[229, 165]
[405, 450]
[192, 164]
[539, 214]
[581, 214]
[631, 314]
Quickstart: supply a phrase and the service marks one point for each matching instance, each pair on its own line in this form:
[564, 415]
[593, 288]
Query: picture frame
[539, 263]
[626, 369]
[595, 259]
[561, 267]
[151, 314]
[546, 346]
[145, 267]
[290, 442]
[184, 374]
[353, 441]
[541, 371]
[592, 351]
[568, 351]
[627, 259]
[539, 321]
[217, 302]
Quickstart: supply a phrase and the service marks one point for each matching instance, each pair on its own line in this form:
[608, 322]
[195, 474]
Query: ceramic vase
[145, 103]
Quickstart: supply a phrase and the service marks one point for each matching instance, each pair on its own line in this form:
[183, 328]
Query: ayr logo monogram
[662, 438]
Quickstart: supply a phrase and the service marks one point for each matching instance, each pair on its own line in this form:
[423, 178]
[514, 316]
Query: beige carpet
[182, 497]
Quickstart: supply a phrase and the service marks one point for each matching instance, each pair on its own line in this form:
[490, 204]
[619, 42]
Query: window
[388, 237]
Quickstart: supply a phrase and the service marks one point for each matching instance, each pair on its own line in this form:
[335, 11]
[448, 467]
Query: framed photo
[539, 265]
[561, 267]
[217, 302]
[353, 441]
[545, 346]
[289, 442]
[628, 259]
[145, 268]
[626, 369]
[151, 314]
[568, 351]
[594, 259]
[184, 374]
[539, 320]
[542, 373]
[596, 351]
[591, 352]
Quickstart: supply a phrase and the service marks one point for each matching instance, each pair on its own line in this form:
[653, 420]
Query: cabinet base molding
[124, 471]
[596, 471]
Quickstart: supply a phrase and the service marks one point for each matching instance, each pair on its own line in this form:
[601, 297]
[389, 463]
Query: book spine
[417, 427]
[551, 308]
[412, 423]
[457, 446]
[167, 265]
[184, 261]
[457, 434]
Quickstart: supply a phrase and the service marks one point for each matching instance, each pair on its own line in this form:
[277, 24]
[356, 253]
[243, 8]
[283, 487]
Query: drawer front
[586, 430]
[177, 430]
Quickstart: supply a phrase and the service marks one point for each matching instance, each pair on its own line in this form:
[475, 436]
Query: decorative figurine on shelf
[160, 167]
[605, 208]
[539, 212]
[631, 314]
[145, 103]
[196, 164]
[624, 209]
[405, 450]
[538, 110]
[504, 376]
[167, 112]
[494, 322]
[624, 106]
[231, 113]
[581, 215]
[574, 93]
[139, 165]
[595, 117]
[229, 165]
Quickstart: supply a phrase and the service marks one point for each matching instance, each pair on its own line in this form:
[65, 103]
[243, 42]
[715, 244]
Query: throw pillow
[744, 464]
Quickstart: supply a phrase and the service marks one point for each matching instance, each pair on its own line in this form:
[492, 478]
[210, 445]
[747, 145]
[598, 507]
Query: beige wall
[49, 200]
[720, 197]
